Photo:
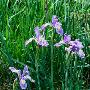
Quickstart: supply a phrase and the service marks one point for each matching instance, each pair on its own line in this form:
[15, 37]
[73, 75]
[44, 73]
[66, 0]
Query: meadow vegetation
[53, 65]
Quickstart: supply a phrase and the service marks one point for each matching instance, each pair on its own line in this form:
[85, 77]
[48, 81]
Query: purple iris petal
[76, 43]
[59, 44]
[43, 27]
[15, 70]
[68, 49]
[67, 38]
[81, 54]
[25, 71]
[41, 41]
[37, 32]
[76, 50]
[76, 47]
[54, 20]
[57, 25]
[59, 29]
[23, 84]
[28, 77]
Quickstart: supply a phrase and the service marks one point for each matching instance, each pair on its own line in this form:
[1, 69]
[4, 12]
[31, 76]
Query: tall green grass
[51, 67]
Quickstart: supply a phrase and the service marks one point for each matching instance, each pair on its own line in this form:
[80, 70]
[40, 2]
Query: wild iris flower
[40, 39]
[57, 25]
[37, 33]
[66, 40]
[23, 76]
[76, 48]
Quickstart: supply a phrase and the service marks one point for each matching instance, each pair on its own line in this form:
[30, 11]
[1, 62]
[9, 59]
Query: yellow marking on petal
[23, 81]
[58, 27]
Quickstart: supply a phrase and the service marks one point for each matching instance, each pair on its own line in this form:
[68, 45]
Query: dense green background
[18, 18]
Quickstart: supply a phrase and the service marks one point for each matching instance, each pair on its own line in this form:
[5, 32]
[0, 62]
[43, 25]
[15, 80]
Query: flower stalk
[67, 68]
[52, 87]
[14, 84]
[36, 65]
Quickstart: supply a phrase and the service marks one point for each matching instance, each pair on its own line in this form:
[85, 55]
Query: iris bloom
[40, 39]
[76, 43]
[66, 40]
[37, 33]
[57, 25]
[76, 48]
[23, 76]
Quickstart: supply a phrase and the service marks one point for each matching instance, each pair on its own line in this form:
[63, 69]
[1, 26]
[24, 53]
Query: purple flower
[54, 20]
[81, 54]
[37, 32]
[23, 76]
[41, 41]
[57, 25]
[15, 71]
[66, 40]
[59, 29]
[40, 38]
[76, 48]
[76, 45]
[59, 43]
[23, 83]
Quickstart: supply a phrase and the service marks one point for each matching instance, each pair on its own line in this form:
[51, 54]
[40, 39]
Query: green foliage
[49, 66]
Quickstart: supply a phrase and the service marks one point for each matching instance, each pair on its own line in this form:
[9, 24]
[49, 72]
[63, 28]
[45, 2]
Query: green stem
[76, 71]
[36, 65]
[66, 80]
[15, 84]
[52, 87]
[66, 73]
